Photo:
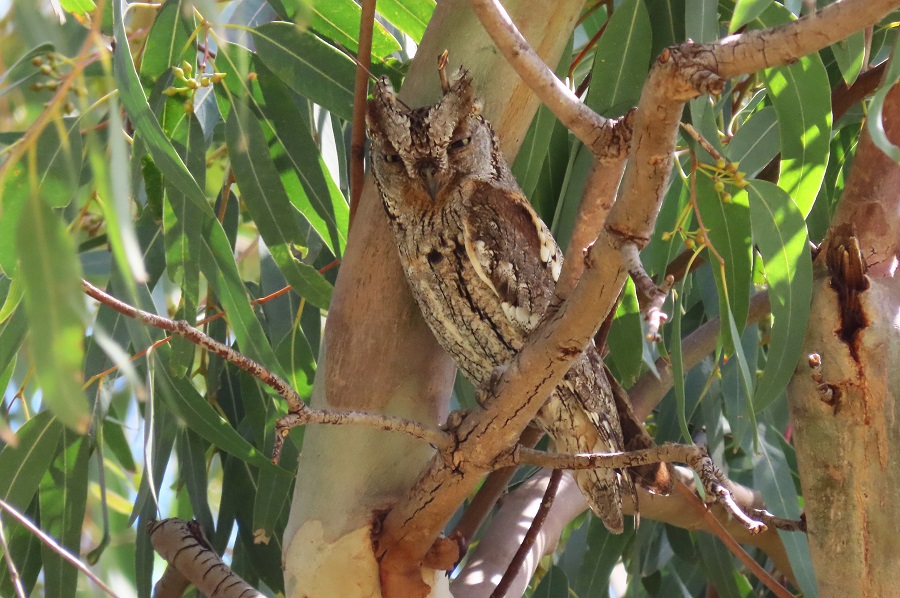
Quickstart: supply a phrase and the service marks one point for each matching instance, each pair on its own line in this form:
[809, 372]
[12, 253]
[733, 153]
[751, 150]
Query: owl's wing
[511, 251]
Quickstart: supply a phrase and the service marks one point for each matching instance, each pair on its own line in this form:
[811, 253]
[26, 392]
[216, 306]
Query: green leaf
[22, 467]
[308, 65]
[339, 20]
[801, 96]
[849, 54]
[621, 61]
[626, 337]
[409, 16]
[317, 197]
[77, 6]
[217, 260]
[718, 565]
[191, 449]
[701, 20]
[746, 11]
[167, 44]
[184, 400]
[183, 223]
[298, 361]
[875, 122]
[678, 373]
[51, 171]
[12, 333]
[54, 302]
[747, 378]
[728, 228]
[25, 549]
[111, 175]
[63, 504]
[780, 234]
[772, 478]
[756, 143]
[553, 585]
[269, 205]
[603, 553]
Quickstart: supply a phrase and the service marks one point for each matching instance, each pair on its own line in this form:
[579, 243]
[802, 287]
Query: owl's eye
[392, 158]
[460, 143]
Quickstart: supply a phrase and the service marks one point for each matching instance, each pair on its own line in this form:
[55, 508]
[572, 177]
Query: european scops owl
[481, 264]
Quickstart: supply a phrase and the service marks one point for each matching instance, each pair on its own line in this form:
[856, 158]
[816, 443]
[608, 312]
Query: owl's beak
[427, 172]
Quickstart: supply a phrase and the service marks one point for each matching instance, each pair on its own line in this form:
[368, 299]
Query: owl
[482, 266]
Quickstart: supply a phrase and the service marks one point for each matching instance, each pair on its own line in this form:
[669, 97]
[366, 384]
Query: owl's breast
[463, 312]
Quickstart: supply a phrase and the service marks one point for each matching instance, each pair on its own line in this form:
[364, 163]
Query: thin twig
[653, 313]
[607, 138]
[530, 536]
[54, 546]
[299, 412]
[787, 525]
[732, 544]
[360, 89]
[489, 493]
[696, 457]
[14, 576]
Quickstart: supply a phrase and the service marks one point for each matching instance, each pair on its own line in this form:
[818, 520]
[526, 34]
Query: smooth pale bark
[845, 415]
[378, 354]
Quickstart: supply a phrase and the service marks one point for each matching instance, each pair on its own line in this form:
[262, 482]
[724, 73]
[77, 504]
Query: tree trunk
[844, 411]
[378, 354]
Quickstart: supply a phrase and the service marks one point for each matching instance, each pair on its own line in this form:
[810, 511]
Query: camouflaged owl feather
[482, 266]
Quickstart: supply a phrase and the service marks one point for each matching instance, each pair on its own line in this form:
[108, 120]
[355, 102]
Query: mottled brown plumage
[482, 266]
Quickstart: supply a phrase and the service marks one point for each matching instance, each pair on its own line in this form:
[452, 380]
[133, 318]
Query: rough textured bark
[378, 354]
[844, 402]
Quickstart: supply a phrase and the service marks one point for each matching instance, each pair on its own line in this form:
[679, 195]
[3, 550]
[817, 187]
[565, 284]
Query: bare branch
[787, 525]
[530, 537]
[607, 138]
[599, 196]
[488, 559]
[14, 576]
[694, 456]
[299, 412]
[55, 546]
[752, 51]
[182, 545]
[656, 296]
[732, 544]
[360, 88]
[437, 438]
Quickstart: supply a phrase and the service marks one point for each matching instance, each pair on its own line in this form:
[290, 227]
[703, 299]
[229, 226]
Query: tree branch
[607, 138]
[531, 536]
[192, 559]
[299, 413]
[696, 457]
[54, 546]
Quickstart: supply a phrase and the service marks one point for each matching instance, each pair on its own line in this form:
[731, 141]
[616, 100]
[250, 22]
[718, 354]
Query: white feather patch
[479, 256]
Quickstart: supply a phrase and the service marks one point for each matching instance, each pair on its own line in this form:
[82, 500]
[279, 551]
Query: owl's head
[420, 154]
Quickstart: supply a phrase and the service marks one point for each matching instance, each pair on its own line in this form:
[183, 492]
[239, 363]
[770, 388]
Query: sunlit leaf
[409, 16]
[801, 95]
[621, 60]
[339, 21]
[780, 234]
[53, 300]
[308, 65]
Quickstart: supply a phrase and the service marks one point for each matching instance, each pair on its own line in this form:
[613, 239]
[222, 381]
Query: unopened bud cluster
[186, 83]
